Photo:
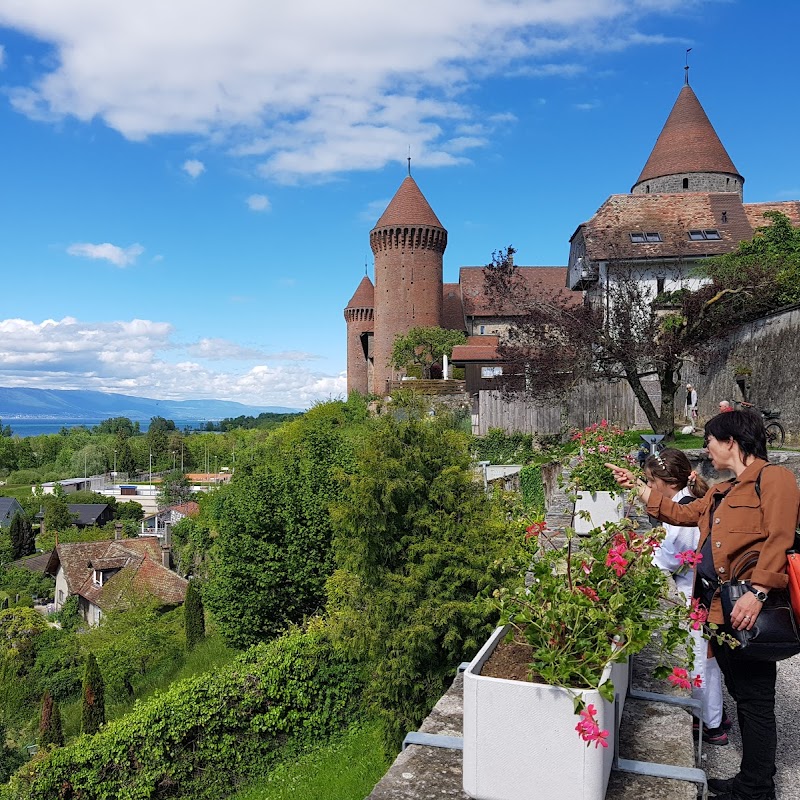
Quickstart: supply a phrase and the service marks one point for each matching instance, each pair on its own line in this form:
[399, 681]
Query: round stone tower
[359, 315]
[688, 155]
[408, 243]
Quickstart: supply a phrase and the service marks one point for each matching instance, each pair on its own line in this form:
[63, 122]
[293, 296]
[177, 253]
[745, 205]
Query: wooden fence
[586, 403]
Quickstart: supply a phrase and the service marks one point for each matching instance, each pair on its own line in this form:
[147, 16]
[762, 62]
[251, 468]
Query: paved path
[723, 762]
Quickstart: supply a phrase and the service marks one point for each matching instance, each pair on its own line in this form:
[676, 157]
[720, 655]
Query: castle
[687, 204]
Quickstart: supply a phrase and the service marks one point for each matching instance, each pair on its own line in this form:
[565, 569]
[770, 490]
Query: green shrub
[533, 500]
[203, 736]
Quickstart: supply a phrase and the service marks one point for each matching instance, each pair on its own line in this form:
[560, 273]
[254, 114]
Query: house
[169, 516]
[87, 515]
[106, 575]
[8, 507]
[686, 205]
[70, 485]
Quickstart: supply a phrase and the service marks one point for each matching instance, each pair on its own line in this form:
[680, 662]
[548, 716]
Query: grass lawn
[26, 490]
[346, 768]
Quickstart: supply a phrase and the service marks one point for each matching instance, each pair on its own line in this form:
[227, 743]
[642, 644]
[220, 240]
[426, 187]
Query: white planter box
[602, 507]
[520, 740]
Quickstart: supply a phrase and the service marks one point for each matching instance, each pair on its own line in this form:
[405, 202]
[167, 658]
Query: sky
[187, 188]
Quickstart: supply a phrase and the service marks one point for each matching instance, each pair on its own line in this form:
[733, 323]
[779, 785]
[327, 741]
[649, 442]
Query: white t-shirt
[678, 540]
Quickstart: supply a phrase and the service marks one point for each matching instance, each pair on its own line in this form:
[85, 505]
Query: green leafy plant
[598, 444]
[590, 601]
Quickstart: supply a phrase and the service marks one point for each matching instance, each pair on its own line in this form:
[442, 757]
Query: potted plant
[596, 495]
[573, 613]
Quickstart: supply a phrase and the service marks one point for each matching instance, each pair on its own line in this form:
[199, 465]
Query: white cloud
[193, 167]
[312, 87]
[118, 256]
[590, 106]
[141, 357]
[258, 202]
[225, 350]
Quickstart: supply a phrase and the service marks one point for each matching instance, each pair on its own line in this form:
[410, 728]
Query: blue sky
[188, 187]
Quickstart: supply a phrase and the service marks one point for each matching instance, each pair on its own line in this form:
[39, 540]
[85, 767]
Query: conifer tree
[16, 533]
[50, 730]
[193, 617]
[93, 713]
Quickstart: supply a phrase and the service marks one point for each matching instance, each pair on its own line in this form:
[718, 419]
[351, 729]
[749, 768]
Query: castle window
[482, 329]
[647, 189]
[685, 183]
[641, 237]
[660, 285]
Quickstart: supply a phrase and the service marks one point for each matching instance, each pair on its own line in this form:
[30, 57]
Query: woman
[736, 517]
[670, 473]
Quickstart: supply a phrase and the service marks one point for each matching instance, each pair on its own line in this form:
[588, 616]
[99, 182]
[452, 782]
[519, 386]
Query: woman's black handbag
[774, 636]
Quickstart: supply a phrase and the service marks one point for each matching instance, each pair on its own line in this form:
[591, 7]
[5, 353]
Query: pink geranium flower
[680, 677]
[589, 729]
[689, 558]
[698, 615]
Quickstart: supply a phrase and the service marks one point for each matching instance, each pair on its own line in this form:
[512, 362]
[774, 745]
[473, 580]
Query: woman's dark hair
[746, 428]
[674, 468]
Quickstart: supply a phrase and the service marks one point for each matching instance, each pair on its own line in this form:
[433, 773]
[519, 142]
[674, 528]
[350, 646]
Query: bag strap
[743, 563]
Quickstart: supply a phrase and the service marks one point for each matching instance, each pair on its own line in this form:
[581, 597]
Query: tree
[5, 430]
[50, 730]
[175, 488]
[415, 538]
[120, 426]
[424, 347]
[193, 617]
[57, 516]
[557, 341]
[93, 710]
[22, 539]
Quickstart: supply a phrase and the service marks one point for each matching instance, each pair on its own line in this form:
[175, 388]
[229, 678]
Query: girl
[670, 473]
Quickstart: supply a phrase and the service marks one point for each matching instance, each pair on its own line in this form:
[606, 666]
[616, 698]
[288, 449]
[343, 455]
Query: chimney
[117, 530]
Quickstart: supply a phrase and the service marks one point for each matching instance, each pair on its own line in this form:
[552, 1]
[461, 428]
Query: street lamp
[174, 457]
[151, 470]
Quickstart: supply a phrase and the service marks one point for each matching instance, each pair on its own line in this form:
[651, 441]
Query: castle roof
[687, 143]
[539, 282]
[364, 296]
[718, 220]
[408, 207]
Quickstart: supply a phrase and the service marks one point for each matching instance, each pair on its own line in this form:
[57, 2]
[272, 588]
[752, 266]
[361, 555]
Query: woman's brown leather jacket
[741, 522]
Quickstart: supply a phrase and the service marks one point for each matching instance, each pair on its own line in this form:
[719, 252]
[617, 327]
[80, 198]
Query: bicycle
[775, 431]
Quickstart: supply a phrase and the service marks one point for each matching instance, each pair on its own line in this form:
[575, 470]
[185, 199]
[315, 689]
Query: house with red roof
[109, 575]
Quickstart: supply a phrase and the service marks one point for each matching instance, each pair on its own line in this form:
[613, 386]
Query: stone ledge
[655, 732]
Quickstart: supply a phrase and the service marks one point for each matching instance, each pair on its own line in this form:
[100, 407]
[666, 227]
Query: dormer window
[97, 577]
[699, 236]
[644, 237]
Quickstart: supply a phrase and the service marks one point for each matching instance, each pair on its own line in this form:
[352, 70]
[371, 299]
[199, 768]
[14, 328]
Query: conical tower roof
[408, 207]
[364, 296]
[687, 143]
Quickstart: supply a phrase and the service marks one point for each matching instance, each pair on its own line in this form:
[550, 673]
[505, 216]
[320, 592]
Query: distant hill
[77, 405]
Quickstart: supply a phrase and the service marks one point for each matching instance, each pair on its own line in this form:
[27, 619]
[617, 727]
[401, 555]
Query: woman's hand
[745, 612]
[624, 477]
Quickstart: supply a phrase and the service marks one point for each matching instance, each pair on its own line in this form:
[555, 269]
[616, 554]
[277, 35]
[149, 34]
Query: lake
[35, 427]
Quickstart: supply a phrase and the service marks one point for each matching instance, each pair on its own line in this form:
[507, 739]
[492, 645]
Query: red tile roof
[538, 282]
[755, 212]
[672, 216]
[477, 348]
[687, 143]
[191, 508]
[408, 207]
[139, 562]
[364, 296]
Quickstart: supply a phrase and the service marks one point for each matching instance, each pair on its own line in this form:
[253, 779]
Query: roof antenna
[686, 68]
[409, 160]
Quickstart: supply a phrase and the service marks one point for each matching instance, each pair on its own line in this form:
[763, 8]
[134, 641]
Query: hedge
[205, 735]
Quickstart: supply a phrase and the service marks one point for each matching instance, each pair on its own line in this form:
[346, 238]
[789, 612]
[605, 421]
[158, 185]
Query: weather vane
[686, 68]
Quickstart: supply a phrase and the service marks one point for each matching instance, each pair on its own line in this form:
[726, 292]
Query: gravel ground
[723, 762]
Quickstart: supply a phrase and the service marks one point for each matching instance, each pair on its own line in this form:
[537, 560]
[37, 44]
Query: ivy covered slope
[204, 735]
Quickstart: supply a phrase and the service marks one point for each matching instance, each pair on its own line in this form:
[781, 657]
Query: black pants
[752, 685]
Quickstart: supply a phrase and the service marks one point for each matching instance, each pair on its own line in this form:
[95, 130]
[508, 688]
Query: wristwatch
[762, 596]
